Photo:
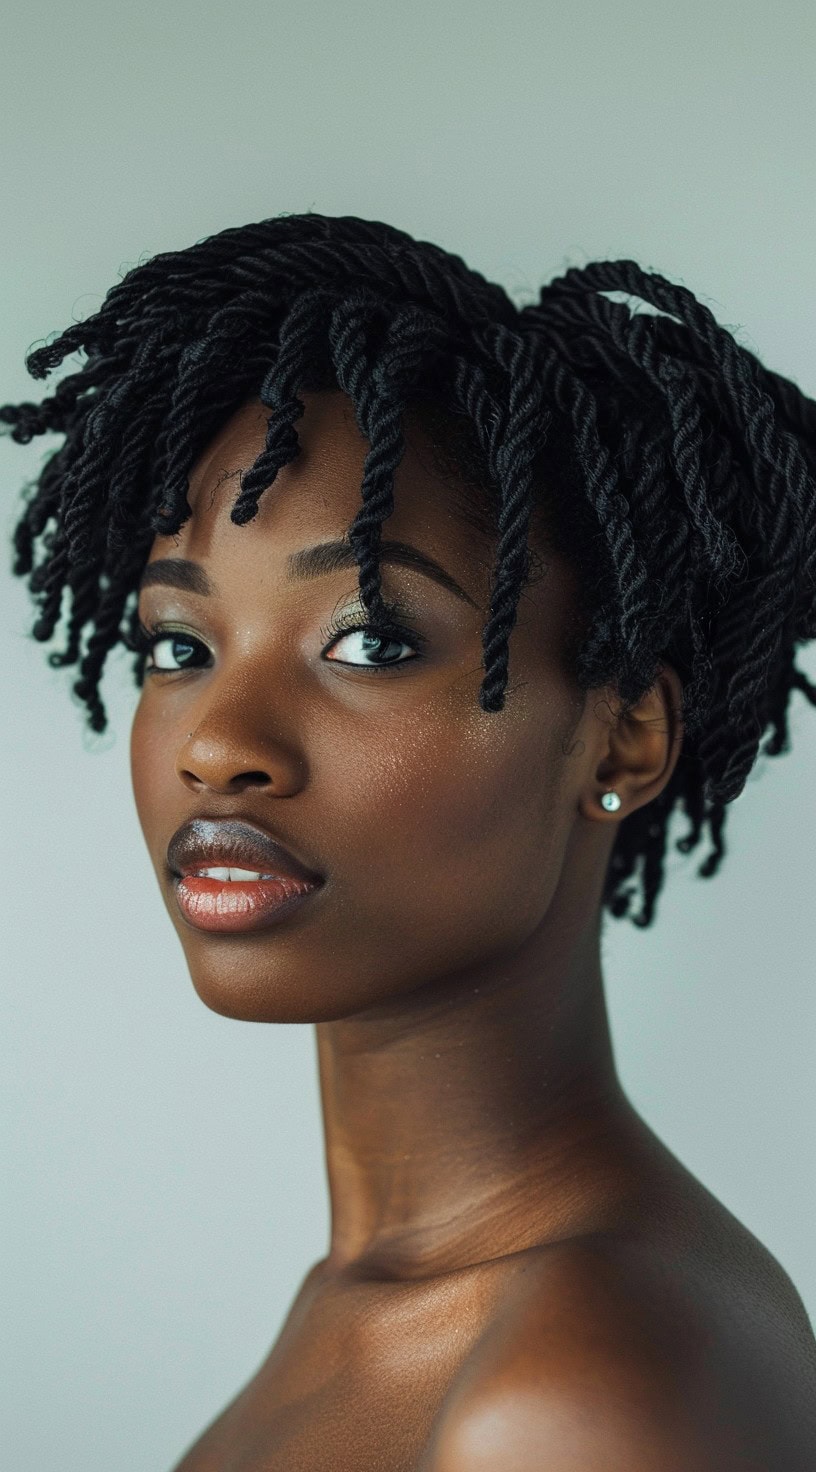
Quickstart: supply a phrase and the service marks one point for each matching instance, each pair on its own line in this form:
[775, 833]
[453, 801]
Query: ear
[640, 748]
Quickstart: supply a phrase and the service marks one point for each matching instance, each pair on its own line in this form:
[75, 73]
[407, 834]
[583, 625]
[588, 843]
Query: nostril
[223, 782]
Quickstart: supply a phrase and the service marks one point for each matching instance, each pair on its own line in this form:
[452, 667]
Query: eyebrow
[309, 562]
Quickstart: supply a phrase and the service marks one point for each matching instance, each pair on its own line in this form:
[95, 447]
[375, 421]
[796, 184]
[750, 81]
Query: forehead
[318, 494]
[315, 498]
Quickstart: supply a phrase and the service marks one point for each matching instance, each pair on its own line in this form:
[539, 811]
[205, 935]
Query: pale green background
[165, 1186]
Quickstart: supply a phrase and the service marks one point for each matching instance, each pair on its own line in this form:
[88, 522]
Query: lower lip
[217, 904]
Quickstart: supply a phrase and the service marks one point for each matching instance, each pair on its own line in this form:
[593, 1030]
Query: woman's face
[441, 831]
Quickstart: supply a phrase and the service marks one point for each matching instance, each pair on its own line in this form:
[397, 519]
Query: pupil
[374, 641]
[186, 650]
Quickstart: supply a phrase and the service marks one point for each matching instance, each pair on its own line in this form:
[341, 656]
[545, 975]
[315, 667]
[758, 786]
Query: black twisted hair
[685, 470]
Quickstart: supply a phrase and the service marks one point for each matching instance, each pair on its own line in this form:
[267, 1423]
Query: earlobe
[642, 747]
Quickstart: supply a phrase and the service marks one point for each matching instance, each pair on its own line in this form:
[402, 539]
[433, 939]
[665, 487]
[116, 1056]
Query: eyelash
[389, 629]
[144, 639]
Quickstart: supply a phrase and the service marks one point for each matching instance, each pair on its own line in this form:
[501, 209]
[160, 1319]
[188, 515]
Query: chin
[251, 984]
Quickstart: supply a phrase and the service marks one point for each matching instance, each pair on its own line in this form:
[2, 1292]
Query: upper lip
[232, 842]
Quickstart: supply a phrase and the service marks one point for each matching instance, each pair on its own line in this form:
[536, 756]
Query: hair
[673, 470]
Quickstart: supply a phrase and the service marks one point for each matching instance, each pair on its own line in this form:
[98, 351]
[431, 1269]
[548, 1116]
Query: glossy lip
[233, 842]
[238, 905]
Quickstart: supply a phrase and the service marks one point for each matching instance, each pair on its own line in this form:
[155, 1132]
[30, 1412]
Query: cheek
[152, 771]
[468, 818]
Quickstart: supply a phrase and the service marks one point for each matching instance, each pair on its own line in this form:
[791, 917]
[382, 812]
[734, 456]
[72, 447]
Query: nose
[217, 757]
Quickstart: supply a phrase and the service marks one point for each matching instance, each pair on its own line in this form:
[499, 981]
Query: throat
[465, 1142]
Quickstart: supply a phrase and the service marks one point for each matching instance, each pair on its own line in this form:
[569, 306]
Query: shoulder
[607, 1358]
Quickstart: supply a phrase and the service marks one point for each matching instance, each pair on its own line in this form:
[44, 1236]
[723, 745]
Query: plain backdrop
[163, 1177]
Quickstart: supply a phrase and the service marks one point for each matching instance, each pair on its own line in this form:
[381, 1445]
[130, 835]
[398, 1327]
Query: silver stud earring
[611, 801]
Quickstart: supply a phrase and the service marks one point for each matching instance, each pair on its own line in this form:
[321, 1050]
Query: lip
[235, 905]
[209, 843]
[238, 904]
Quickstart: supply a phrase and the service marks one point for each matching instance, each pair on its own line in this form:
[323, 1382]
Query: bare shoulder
[610, 1353]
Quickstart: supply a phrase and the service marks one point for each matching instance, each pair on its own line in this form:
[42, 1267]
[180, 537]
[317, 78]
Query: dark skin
[520, 1274]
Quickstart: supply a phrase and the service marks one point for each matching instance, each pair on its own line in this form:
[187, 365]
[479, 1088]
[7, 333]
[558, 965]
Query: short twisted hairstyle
[672, 469]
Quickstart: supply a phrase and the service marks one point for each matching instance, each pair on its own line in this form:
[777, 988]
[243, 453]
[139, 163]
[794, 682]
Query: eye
[170, 650]
[179, 647]
[373, 640]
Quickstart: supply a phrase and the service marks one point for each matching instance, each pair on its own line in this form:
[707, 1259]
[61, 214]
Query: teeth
[231, 874]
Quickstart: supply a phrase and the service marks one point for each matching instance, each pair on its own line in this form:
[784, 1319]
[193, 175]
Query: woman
[369, 808]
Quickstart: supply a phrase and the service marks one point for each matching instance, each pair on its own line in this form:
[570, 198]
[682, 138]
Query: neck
[473, 1118]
